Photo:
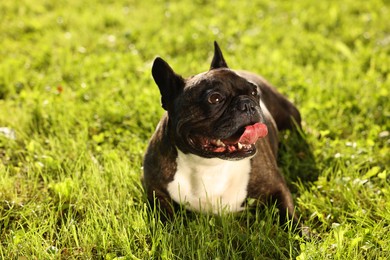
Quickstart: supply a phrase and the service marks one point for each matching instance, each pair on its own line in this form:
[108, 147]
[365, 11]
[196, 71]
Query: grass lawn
[78, 105]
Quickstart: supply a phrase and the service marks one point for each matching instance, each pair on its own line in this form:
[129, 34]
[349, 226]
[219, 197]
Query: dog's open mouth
[242, 141]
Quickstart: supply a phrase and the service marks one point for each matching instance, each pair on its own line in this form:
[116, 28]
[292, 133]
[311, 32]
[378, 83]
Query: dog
[216, 146]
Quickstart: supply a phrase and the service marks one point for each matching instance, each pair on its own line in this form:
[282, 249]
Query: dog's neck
[210, 184]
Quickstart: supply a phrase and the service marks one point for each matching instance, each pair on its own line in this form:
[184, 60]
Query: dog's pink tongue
[253, 132]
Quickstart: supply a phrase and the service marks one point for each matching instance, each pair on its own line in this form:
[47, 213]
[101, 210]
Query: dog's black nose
[247, 105]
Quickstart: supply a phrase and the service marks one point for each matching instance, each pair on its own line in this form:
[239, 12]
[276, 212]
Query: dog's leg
[284, 202]
[161, 205]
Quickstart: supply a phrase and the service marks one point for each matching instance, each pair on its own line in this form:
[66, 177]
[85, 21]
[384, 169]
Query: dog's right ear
[218, 60]
[169, 83]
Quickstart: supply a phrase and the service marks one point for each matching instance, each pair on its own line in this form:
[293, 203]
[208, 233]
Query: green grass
[76, 91]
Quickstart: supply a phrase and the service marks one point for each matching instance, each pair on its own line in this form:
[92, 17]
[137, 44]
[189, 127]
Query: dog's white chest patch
[210, 185]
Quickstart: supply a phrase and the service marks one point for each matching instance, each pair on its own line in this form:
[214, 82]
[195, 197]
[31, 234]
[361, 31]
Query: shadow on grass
[252, 234]
[296, 159]
[299, 167]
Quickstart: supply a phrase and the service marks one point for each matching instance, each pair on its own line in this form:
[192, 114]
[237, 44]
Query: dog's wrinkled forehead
[221, 78]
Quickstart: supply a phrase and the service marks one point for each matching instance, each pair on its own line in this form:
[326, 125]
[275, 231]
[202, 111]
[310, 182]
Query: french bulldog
[216, 146]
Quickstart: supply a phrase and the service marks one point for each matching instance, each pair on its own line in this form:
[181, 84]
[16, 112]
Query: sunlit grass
[78, 105]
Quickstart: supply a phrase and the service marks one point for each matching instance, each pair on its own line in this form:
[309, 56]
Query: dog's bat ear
[218, 60]
[169, 83]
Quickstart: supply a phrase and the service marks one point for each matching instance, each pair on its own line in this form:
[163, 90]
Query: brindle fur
[266, 182]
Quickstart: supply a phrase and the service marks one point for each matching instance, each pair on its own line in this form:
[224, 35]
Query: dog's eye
[254, 93]
[215, 98]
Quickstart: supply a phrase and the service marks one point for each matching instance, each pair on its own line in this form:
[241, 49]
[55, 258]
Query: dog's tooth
[220, 143]
[239, 145]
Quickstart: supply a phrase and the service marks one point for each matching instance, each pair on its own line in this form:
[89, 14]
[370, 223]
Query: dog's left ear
[218, 60]
[169, 83]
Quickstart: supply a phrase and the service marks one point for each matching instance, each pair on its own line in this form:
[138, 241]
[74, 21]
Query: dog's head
[212, 114]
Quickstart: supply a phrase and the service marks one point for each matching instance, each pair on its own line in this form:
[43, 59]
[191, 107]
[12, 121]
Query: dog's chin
[235, 144]
[227, 149]
[227, 152]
